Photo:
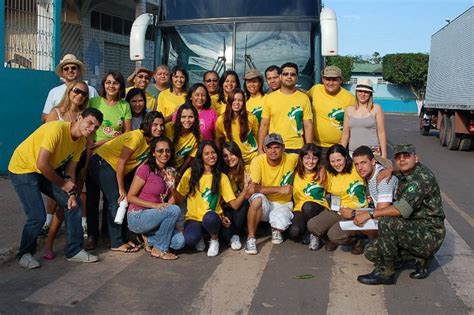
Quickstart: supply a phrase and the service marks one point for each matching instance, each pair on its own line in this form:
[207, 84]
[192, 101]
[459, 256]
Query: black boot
[421, 270]
[376, 277]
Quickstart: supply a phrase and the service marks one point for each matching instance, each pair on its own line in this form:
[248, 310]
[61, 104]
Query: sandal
[126, 248]
[48, 254]
[163, 255]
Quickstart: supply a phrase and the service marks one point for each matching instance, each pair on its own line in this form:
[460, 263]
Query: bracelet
[353, 214]
[71, 193]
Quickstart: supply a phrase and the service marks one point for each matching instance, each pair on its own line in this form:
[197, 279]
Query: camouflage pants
[404, 239]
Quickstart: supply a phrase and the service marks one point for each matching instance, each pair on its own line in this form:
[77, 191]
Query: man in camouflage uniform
[411, 228]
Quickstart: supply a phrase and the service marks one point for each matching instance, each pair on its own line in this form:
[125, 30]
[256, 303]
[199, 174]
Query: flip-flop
[48, 254]
[165, 256]
[128, 249]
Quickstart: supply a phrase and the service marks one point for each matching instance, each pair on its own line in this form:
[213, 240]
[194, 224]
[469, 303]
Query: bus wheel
[452, 139]
[465, 143]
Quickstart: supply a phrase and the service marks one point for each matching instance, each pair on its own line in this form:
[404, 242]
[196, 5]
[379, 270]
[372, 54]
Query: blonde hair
[370, 102]
[65, 105]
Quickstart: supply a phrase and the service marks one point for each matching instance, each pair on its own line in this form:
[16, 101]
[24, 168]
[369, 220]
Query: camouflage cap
[273, 138]
[404, 148]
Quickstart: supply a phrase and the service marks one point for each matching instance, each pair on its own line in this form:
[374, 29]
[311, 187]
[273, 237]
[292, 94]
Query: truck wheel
[452, 139]
[465, 143]
[442, 130]
[424, 130]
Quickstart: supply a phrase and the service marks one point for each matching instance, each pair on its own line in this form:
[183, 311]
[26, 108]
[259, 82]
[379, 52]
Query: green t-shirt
[114, 117]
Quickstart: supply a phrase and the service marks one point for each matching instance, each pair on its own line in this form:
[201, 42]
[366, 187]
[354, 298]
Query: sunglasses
[142, 76]
[291, 74]
[72, 68]
[79, 91]
[161, 151]
[211, 80]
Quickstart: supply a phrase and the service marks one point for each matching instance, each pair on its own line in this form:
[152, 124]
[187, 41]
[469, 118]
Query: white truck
[449, 101]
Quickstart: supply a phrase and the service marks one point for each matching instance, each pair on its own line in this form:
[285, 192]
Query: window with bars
[29, 36]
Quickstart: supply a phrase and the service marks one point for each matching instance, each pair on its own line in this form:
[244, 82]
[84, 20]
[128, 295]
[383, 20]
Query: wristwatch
[353, 214]
[371, 213]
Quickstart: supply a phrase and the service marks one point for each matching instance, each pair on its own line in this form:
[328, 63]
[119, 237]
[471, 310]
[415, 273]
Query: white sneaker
[251, 246]
[213, 248]
[235, 242]
[29, 262]
[201, 246]
[83, 257]
[315, 242]
[277, 237]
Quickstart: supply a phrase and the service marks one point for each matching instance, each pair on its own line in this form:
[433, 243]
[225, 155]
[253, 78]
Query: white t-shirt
[383, 192]
[56, 94]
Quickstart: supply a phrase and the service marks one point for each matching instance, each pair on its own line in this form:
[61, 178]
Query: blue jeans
[211, 223]
[103, 175]
[158, 225]
[29, 188]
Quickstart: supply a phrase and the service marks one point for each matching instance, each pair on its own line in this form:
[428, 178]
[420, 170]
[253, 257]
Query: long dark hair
[148, 122]
[186, 77]
[197, 169]
[233, 148]
[260, 90]
[133, 92]
[189, 96]
[338, 148]
[151, 161]
[308, 148]
[243, 117]
[117, 77]
[221, 84]
[178, 127]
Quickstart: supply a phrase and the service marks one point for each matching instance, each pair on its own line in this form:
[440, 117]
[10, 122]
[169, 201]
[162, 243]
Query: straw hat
[252, 73]
[137, 71]
[365, 85]
[69, 59]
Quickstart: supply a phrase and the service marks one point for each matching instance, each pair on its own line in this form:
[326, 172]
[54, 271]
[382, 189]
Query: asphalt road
[270, 282]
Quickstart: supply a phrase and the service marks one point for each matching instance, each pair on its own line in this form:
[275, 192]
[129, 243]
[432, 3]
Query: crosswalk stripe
[456, 259]
[231, 287]
[346, 295]
[79, 283]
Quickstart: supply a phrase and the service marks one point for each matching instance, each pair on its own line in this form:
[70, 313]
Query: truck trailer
[449, 101]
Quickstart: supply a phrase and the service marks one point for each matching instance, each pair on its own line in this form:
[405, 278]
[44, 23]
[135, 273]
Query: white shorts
[279, 215]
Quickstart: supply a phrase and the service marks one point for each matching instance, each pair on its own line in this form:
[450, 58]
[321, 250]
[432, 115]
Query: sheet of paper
[349, 225]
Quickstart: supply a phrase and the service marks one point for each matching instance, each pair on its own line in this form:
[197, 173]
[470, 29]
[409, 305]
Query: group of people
[213, 161]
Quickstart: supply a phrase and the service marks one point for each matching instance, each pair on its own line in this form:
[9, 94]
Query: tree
[344, 63]
[376, 58]
[408, 70]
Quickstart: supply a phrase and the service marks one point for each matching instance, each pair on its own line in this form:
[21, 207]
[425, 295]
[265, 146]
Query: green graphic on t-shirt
[66, 159]
[211, 198]
[184, 152]
[257, 111]
[251, 141]
[296, 114]
[107, 126]
[357, 189]
[337, 117]
[286, 179]
[314, 190]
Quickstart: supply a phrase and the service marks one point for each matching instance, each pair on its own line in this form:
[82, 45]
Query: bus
[237, 35]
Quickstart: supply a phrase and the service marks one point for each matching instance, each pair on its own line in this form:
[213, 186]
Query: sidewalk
[12, 219]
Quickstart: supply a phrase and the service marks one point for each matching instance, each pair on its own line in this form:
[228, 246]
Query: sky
[391, 26]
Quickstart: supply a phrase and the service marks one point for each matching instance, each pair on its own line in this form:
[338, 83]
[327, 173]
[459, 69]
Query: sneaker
[235, 242]
[251, 246]
[29, 262]
[44, 231]
[201, 246]
[213, 248]
[83, 257]
[277, 237]
[315, 242]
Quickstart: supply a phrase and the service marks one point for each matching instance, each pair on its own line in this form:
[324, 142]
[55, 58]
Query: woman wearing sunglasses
[150, 211]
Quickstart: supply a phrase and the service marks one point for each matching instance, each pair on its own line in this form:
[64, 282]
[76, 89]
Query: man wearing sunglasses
[69, 70]
[34, 170]
[412, 228]
[141, 78]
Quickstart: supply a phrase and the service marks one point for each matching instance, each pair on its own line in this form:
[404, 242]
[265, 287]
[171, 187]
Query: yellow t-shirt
[187, 145]
[168, 102]
[329, 114]
[133, 140]
[219, 107]
[286, 114]
[255, 106]
[350, 187]
[307, 189]
[249, 148]
[150, 99]
[203, 200]
[55, 137]
[263, 174]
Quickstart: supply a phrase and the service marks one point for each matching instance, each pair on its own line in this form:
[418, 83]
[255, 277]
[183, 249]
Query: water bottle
[122, 209]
